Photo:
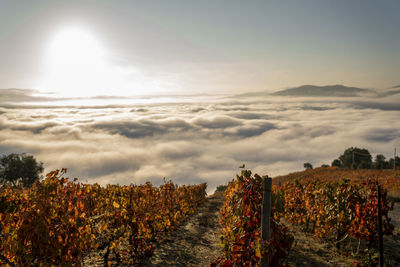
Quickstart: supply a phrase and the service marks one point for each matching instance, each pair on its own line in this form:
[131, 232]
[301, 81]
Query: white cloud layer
[196, 141]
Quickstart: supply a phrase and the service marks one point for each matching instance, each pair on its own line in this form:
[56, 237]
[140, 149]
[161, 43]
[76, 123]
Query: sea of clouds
[193, 139]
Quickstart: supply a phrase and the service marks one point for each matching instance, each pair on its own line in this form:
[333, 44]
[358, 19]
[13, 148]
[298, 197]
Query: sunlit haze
[77, 65]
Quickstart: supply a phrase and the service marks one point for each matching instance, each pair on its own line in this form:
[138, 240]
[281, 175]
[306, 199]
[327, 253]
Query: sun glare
[76, 65]
[75, 48]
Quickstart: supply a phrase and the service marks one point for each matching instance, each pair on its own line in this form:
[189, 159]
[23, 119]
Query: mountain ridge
[337, 90]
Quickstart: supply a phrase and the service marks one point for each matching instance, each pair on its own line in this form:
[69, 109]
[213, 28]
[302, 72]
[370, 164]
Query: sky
[85, 48]
[126, 92]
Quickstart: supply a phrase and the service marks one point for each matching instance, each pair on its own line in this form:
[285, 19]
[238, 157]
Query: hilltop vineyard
[57, 221]
[337, 206]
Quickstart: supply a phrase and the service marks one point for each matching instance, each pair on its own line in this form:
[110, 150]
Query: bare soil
[196, 243]
[308, 251]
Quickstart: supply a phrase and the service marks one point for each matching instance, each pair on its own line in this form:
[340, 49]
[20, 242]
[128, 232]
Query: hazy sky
[163, 47]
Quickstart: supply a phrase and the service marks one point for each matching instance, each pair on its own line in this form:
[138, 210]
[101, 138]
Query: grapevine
[337, 210]
[57, 221]
[241, 221]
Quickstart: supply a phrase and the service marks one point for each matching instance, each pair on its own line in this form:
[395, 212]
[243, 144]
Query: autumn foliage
[338, 206]
[241, 222]
[337, 209]
[336, 174]
[57, 221]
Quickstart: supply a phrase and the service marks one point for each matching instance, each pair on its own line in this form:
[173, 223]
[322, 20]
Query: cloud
[195, 141]
[18, 95]
[216, 122]
[378, 105]
[141, 128]
[316, 108]
[299, 131]
[382, 135]
[35, 128]
[139, 110]
[252, 129]
[247, 115]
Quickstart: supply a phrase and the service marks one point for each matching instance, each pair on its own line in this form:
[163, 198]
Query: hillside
[324, 91]
[317, 91]
[334, 173]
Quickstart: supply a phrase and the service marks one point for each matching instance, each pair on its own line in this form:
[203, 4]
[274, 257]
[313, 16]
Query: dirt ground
[307, 251]
[196, 243]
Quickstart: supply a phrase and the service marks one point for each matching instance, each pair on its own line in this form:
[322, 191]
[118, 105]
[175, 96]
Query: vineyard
[336, 174]
[57, 221]
[336, 206]
[60, 222]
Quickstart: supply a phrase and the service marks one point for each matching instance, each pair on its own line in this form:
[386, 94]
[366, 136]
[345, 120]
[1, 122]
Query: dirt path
[196, 243]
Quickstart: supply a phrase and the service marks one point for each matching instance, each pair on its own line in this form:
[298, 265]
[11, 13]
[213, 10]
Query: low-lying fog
[192, 139]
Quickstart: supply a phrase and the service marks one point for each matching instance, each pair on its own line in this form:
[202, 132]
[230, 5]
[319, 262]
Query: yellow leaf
[116, 205]
[221, 241]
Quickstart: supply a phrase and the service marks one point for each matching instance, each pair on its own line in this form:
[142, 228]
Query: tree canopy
[308, 166]
[380, 162]
[336, 163]
[18, 169]
[356, 158]
[360, 158]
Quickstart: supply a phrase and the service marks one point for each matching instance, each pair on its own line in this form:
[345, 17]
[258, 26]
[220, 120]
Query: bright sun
[76, 65]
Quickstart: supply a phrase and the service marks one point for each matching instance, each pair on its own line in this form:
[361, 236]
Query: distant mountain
[316, 91]
[396, 86]
[324, 91]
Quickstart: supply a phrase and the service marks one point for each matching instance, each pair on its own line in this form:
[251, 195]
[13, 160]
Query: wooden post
[381, 261]
[266, 216]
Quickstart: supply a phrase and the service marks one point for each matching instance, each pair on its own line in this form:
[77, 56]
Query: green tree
[380, 162]
[308, 166]
[356, 158]
[19, 169]
[391, 163]
[337, 163]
